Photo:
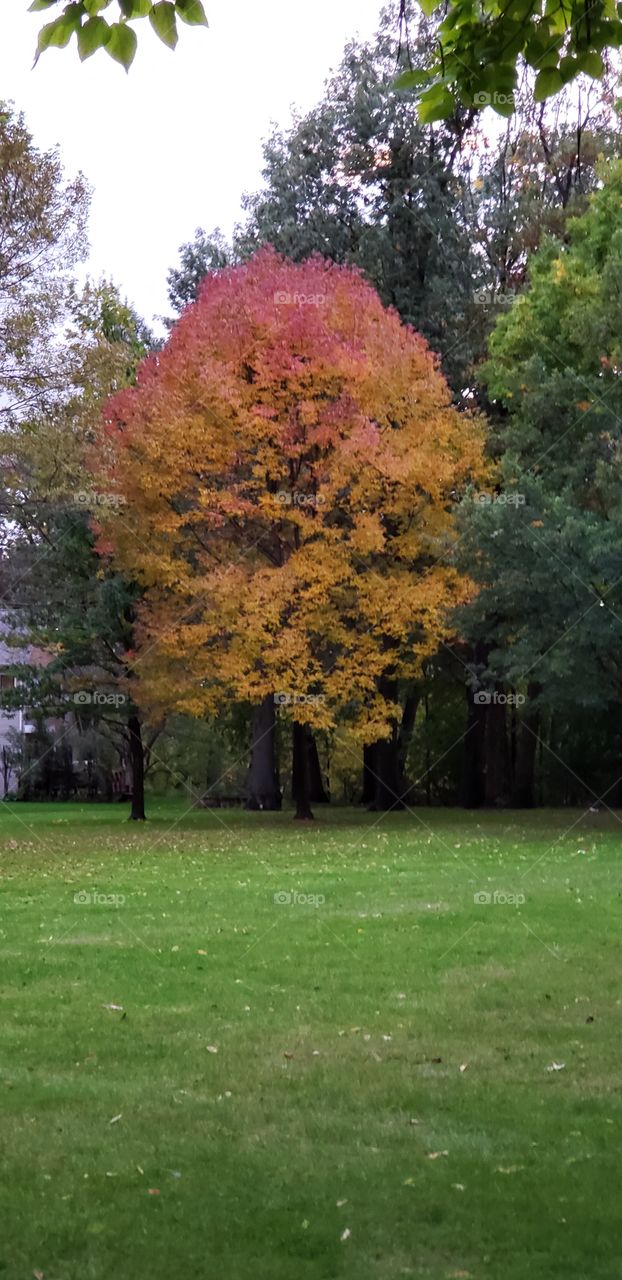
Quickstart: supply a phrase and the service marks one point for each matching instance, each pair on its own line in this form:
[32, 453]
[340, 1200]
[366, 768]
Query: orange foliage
[289, 463]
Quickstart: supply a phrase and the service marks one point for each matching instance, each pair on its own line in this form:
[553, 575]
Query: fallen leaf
[153, 1191]
[288, 1055]
[556, 1066]
[340, 1203]
[118, 1008]
[463, 1066]
[212, 1048]
[433, 1155]
[115, 1118]
[458, 1186]
[38, 1275]
[201, 953]
[345, 1235]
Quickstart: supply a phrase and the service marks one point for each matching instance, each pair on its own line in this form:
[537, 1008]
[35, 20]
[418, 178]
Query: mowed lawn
[260, 1050]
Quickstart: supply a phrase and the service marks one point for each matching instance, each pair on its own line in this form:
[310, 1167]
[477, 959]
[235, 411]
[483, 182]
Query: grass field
[236, 1046]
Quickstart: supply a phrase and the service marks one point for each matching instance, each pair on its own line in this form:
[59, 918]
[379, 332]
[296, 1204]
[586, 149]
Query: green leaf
[503, 104]
[436, 104]
[428, 6]
[591, 63]
[548, 82]
[135, 8]
[55, 35]
[93, 6]
[122, 44]
[192, 12]
[568, 69]
[92, 35]
[37, 5]
[411, 79]
[162, 18]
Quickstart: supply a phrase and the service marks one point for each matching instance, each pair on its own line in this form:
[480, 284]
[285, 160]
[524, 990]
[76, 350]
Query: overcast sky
[174, 144]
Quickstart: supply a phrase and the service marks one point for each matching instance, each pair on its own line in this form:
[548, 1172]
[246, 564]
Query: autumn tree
[288, 464]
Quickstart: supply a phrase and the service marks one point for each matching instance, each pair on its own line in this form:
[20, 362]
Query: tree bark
[473, 778]
[496, 755]
[300, 771]
[388, 775]
[523, 794]
[369, 773]
[262, 783]
[407, 725]
[137, 764]
[317, 790]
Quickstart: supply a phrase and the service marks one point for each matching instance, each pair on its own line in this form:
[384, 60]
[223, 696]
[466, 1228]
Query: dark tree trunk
[262, 783]
[389, 785]
[137, 764]
[496, 767]
[523, 795]
[473, 783]
[300, 771]
[389, 781]
[317, 791]
[369, 773]
[407, 725]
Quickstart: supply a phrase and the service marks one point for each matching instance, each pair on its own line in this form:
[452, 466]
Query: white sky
[174, 144]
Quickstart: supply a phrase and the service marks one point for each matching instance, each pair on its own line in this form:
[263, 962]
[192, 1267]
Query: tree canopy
[481, 50]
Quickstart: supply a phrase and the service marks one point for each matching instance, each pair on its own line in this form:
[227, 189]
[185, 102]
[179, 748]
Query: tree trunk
[389, 782]
[389, 785]
[369, 773]
[523, 795]
[317, 790]
[137, 764]
[496, 755]
[473, 778]
[262, 784]
[300, 771]
[407, 725]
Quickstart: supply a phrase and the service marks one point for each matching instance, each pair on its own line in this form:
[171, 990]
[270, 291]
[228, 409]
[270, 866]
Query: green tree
[42, 237]
[55, 589]
[545, 547]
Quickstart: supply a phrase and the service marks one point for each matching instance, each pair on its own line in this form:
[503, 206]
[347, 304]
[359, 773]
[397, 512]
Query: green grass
[341, 1028]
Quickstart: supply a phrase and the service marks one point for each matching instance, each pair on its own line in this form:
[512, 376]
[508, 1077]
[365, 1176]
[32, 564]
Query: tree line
[361, 506]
